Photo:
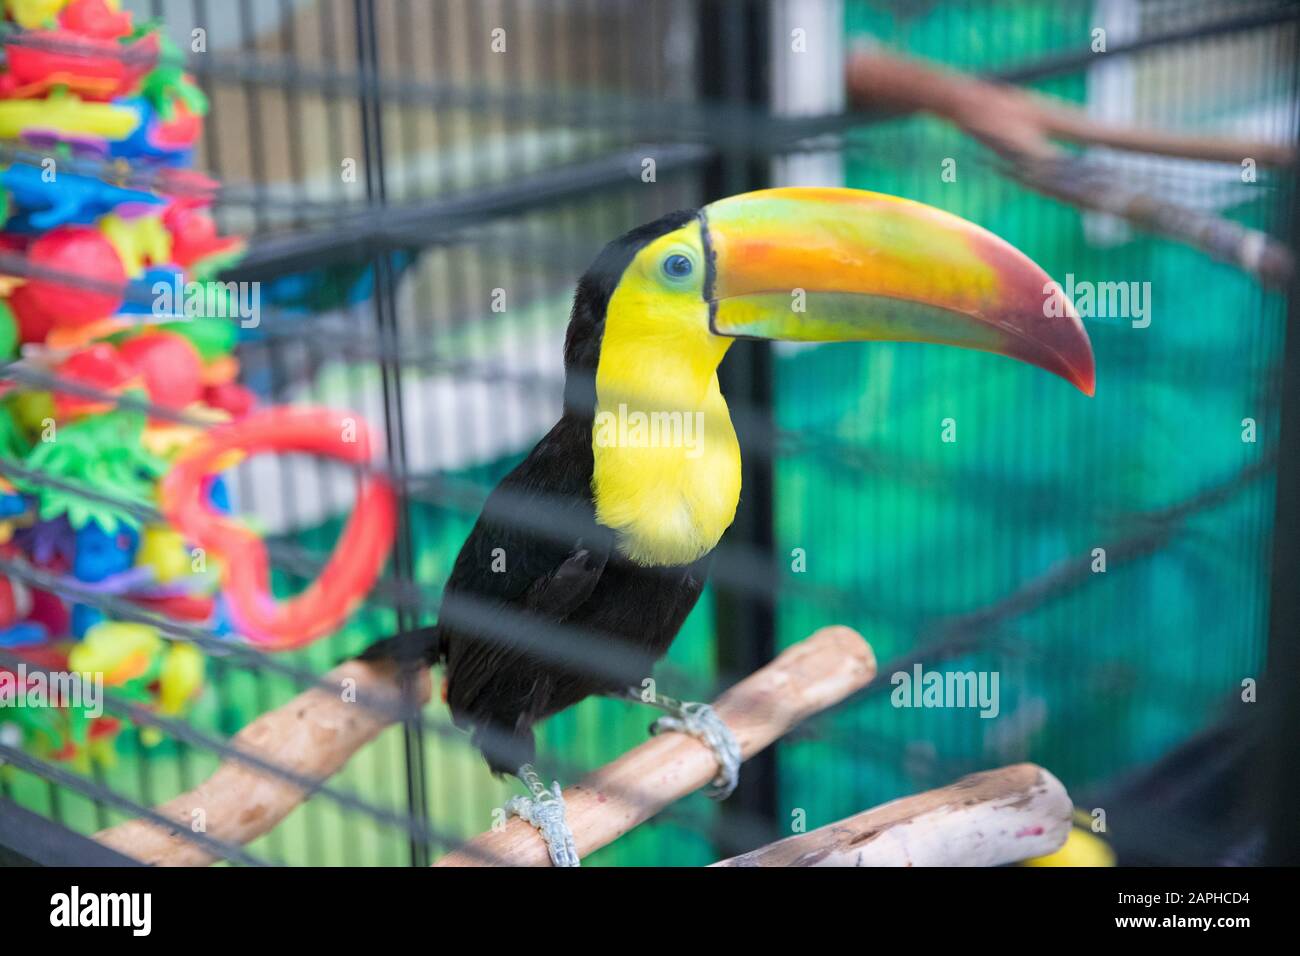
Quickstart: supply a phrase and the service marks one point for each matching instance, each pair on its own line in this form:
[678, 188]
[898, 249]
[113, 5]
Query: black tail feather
[413, 647]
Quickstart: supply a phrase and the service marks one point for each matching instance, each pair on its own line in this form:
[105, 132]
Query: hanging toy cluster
[88, 91]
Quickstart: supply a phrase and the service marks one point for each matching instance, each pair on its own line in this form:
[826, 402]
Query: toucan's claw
[703, 723]
[545, 811]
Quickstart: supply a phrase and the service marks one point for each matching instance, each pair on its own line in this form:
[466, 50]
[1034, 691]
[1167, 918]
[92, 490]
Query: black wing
[535, 552]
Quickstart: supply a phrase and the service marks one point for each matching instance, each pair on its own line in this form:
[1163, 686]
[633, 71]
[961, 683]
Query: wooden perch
[313, 736]
[985, 819]
[807, 678]
[1021, 127]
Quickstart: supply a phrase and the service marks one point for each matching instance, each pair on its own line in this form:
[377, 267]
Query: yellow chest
[667, 481]
[666, 473]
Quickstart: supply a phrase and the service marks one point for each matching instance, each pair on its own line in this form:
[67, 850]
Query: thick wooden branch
[312, 736]
[807, 678]
[985, 819]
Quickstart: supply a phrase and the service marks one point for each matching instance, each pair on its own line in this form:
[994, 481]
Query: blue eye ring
[678, 266]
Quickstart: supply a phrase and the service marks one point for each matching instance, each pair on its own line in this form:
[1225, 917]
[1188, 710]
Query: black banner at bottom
[338, 905]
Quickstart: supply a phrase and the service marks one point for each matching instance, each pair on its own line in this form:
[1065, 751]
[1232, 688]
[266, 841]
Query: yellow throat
[667, 463]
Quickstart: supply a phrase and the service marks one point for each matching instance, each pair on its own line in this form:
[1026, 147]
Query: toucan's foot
[701, 722]
[545, 811]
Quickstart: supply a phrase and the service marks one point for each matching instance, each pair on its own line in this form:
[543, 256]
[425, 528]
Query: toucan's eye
[678, 266]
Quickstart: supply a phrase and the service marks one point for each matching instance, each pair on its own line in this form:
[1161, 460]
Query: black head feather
[590, 301]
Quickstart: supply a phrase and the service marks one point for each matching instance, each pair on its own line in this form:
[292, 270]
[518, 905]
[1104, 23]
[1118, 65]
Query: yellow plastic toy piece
[103, 752]
[179, 681]
[34, 14]
[66, 114]
[138, 241]
[166, 439]
[120, 650]
[1082, 847]
[32, 410]
[163, 549]
[6, 488]
[181, 678]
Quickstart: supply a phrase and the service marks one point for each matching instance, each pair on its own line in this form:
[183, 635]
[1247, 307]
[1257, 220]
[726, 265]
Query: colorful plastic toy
[358, 556]
[66, 113]
[196, 244]
[34, 14]
[96, 18]
[121, 303]
[100, 367]
[101, 451]
[140, 240]
[170, 365]
[163, 554]
[140, 665]
[68, 198]
[82, 252]
[99, 69]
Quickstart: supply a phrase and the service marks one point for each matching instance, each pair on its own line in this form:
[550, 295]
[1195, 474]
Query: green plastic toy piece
[100, 451]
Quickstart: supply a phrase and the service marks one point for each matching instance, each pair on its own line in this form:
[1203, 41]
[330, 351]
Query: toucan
[589, 555]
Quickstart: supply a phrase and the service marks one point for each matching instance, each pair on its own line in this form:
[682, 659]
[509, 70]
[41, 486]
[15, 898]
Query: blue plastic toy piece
[22, 633]
[68, 198]
[11, 505]
[83, 618]
[142, 300]
[141, 144]
[100, 554]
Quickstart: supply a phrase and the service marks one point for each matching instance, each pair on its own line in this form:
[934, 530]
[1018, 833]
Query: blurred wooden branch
[1021, 127]
[986, 819]
[1013, 120]
[313, 736]
[807, 678]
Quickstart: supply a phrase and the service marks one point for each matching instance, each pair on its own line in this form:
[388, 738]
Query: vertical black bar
[372, 135]
[1283, 675]
[733, 49]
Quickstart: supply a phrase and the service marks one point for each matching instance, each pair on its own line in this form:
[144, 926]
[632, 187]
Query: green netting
[914, 530]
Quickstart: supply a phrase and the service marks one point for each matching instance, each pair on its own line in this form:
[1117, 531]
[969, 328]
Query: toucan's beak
[838, 265]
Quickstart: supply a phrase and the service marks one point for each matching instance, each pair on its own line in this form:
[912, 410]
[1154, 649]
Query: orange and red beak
[839, 265]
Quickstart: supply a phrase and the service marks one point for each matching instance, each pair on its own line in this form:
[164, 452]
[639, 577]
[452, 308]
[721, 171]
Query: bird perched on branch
[589, 555]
